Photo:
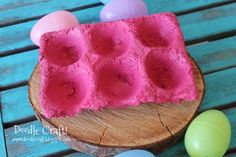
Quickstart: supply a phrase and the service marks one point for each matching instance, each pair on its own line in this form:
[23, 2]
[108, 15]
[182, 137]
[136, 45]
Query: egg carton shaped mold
[115, 64]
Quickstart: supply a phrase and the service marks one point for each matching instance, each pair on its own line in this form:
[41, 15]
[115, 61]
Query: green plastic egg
[208, 135]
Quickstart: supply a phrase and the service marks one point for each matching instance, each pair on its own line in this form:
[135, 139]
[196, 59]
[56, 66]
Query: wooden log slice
[111, 131]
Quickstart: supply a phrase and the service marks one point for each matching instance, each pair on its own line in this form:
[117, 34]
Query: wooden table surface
[209, 28]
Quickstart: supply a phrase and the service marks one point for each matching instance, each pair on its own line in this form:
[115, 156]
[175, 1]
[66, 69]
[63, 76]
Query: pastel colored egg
[122, 9]
[208, 135]
[54, 21]
[105, 1]
[135, 153]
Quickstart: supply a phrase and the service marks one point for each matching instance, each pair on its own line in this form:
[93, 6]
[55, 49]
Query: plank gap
[38, 17]
[219, 69]
[222, 107]
[85, 7]
[20, 50]
[62, 153]
[217, 4]
[18, 122]
[15, 85]
[231, 151]
[212, 37]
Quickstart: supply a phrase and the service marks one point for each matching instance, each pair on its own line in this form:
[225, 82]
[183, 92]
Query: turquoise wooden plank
[89, 15]
[17, 68]
[215, 55]
[210, 56]
[195, 25]
[10, 41]
[11, 11]
[179, 149]
[179, 5]
[15, 100]
[2, 138]
[25, 143]
[220, 89]
[208, 22]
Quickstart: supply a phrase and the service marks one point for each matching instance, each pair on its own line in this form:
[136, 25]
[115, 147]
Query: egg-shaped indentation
[64, 91]
[155, 32]
[118, 81]
[110, 38]
[62, 48]
[163, 70]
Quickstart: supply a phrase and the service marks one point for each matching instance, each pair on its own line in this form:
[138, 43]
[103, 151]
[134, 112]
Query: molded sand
[115, 64]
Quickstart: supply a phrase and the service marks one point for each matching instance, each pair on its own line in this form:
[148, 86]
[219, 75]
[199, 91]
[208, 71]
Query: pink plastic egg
[54, 21]
[122, 9]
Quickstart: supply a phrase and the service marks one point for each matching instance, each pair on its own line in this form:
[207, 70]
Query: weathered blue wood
[208, 22]
[179, 5]
[2, 138]
[11, 11]
[210, 56]
[44, 143]
[220, 89]
[10, 41]
[13, 101]
[17, 68]
[179, 149]
[195, 25]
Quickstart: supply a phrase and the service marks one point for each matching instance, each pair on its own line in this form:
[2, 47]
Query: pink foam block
[115, 64]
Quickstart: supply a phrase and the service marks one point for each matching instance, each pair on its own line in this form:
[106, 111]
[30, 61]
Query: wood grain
[111, 131]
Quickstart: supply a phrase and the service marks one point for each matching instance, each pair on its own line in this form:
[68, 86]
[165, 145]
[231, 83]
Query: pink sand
[115, 64]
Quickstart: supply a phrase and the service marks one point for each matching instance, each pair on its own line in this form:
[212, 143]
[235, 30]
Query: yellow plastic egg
[208, 135]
